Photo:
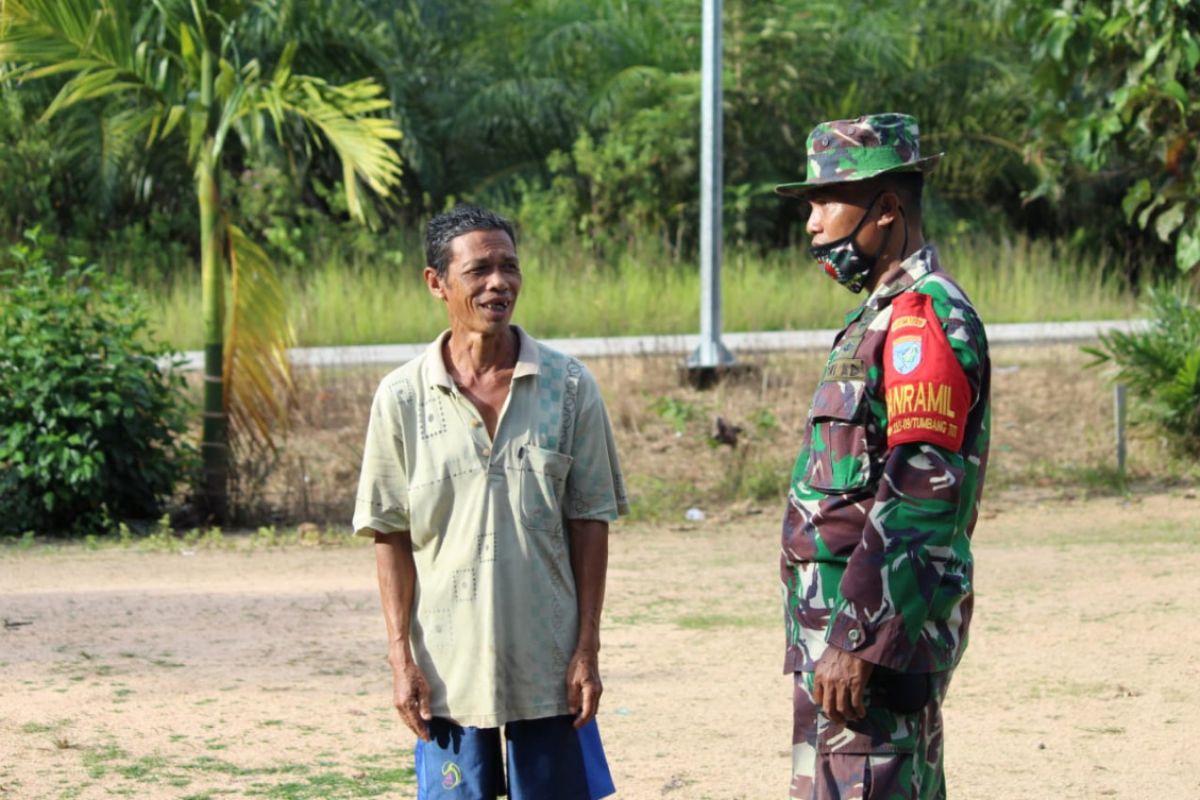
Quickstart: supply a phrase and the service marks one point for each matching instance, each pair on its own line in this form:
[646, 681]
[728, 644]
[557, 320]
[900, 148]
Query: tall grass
[568, 292]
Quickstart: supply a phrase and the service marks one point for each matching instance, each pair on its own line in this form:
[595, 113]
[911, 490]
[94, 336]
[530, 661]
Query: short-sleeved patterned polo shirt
[495, 618]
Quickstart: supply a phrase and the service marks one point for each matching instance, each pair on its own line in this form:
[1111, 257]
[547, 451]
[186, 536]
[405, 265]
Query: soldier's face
[836, 210]
[482, 282]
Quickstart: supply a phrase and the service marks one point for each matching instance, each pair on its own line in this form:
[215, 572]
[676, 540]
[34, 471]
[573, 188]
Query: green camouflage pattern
[876, 546]
[887, 754]
[858, 149]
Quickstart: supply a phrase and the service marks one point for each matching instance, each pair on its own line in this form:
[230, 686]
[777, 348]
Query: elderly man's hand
[583, 685]
[410, 693]
[839, 682]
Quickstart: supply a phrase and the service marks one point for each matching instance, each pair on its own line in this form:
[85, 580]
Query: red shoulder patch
[928, 396]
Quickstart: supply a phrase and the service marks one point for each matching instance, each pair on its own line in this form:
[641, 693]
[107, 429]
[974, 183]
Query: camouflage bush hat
[847, 150]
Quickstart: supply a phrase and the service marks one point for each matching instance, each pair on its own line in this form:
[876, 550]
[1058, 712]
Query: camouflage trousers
[887, 755]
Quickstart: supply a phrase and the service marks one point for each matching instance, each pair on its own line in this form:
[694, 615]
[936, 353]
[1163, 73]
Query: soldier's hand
[583, 686]
[410, 693]
[839, 683]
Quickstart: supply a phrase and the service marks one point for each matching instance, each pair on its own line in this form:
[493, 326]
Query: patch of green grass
[97, 762]
[754, 476]
[675, 411]
[651, 611]
[653, 499]
[299, 781]
[38, 727]
[208, 764]
[708, 622]
[143, 769]
[367, 782]
[162, 662]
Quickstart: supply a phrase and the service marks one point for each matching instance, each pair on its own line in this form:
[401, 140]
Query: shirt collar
[436, 374]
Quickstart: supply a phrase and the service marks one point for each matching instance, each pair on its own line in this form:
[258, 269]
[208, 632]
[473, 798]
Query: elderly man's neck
[474, 352]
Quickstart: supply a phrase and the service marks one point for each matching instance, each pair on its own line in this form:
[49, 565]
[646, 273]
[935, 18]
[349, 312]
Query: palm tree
[174, 68]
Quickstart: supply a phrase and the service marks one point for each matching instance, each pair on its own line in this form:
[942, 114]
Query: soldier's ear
[889, 207]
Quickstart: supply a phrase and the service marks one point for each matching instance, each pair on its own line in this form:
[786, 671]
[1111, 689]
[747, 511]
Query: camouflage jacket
[877, 540]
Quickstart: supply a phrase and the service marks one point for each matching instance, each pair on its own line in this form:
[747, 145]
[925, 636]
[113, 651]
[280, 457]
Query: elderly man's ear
[434, 282]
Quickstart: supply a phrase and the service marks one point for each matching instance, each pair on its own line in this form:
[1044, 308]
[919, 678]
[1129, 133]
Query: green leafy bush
[1161, 366]
[91, 426]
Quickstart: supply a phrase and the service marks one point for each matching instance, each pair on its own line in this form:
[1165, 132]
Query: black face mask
[842, 259]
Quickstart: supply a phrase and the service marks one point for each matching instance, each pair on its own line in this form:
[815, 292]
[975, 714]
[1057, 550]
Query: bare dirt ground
[262, 674]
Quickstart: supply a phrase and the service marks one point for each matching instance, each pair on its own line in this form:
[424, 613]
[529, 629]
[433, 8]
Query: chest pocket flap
[839, 460]
[543, 479]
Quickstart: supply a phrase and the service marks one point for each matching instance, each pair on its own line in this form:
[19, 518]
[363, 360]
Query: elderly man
[488, 481]
[876, 560]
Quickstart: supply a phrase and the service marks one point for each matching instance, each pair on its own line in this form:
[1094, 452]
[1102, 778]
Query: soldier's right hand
[410, 695]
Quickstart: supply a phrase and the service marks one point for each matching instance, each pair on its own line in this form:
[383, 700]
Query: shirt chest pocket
[839, 458]
[543, 482]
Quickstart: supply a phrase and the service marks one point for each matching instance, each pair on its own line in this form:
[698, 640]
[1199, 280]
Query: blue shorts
[547, 760]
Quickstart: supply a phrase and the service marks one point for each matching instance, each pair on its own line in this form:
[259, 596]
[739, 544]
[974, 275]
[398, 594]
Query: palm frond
[340, 115]
[257, 375]
[92, 40]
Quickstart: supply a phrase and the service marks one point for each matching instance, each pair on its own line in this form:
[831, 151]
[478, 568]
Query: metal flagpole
[711, 354]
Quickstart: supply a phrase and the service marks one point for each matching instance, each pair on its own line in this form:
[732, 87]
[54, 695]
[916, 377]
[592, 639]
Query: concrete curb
[1033, 333]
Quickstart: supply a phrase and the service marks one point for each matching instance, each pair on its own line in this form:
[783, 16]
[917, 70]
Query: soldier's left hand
[839, 683]
[583, 686]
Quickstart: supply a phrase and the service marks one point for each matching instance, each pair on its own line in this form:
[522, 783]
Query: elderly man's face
[482, 281]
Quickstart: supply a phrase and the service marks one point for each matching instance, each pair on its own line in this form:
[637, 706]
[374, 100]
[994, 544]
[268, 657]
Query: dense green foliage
[580, 117]
[1117, 112]
[92, 426]
[186, 75]
[1161, 365]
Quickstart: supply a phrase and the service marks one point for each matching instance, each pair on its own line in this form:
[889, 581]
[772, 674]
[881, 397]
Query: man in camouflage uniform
[876, 560]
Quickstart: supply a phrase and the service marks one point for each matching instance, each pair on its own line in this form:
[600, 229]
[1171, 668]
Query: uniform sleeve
[916, 527]
[595, 486]
[382, 500]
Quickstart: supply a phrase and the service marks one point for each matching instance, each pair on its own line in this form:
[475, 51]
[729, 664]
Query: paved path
[681, 345]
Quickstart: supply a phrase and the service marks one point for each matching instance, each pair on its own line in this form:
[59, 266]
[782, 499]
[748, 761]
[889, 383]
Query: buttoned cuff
[846, 633]
[885, 644]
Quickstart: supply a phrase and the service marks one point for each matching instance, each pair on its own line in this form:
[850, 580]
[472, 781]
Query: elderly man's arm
[397, 583]
[589, 562]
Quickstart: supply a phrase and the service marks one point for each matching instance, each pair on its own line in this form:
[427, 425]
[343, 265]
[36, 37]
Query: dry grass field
[235, 668]
[1052, 429]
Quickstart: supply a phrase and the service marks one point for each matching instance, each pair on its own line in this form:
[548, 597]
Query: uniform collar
[900, 277]
[905, 274]
[436, 374]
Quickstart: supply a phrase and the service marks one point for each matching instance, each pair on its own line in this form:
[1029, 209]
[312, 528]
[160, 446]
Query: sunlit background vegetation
[1068, 186]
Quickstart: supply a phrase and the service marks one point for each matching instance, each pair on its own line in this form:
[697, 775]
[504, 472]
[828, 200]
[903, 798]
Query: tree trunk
[214, 444]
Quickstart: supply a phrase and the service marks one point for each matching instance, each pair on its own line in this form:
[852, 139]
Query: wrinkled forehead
[482, 245]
